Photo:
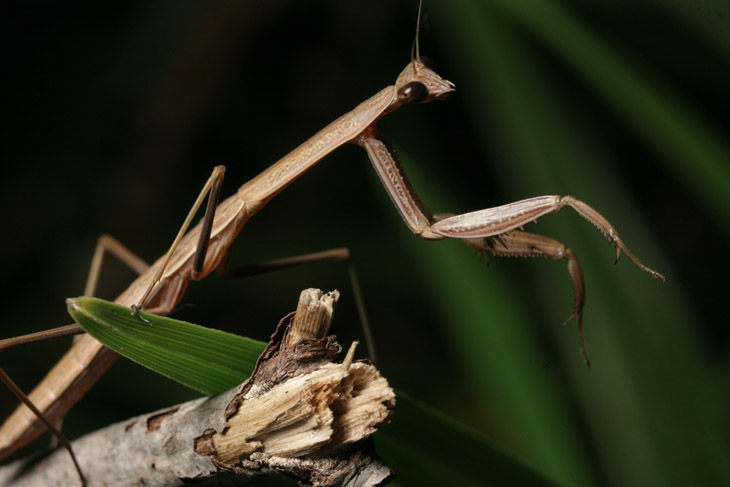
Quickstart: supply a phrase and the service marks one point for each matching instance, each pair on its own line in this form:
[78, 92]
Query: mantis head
[419, 84]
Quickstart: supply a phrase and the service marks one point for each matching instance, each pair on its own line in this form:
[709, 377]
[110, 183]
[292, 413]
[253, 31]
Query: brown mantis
[495, 230]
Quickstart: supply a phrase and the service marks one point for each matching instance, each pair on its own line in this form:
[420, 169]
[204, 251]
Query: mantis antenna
[415, 48]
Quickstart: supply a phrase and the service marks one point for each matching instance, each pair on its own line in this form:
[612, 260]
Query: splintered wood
[299, 403]
[329, 408]
[302, 414]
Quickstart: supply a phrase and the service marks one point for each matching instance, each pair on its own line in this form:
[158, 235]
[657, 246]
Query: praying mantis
[496, 230]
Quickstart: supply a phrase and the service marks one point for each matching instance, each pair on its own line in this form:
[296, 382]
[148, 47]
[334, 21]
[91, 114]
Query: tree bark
[301, 415]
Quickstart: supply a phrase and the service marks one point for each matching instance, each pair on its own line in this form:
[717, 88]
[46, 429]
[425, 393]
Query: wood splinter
[301, 411]
[302, 414]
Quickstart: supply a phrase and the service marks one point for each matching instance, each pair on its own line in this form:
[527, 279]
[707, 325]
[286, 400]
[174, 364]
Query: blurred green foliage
[115, 115]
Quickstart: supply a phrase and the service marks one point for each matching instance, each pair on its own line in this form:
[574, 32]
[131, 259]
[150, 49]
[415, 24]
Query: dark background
[115, 115]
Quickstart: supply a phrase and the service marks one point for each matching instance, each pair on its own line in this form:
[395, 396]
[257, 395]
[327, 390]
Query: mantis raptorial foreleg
[493, 230]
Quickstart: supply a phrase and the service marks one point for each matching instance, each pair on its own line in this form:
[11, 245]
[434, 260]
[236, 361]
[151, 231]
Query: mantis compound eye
[413, 92]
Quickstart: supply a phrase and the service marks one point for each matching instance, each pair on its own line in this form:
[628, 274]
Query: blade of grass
[209, 361]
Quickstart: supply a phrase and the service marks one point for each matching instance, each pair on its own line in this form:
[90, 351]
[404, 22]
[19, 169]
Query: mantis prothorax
[207, 246]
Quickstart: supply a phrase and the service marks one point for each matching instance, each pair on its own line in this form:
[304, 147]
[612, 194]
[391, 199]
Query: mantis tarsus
[496, 230]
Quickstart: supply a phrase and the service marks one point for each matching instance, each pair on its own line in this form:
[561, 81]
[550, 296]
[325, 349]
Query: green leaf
[207, 360]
